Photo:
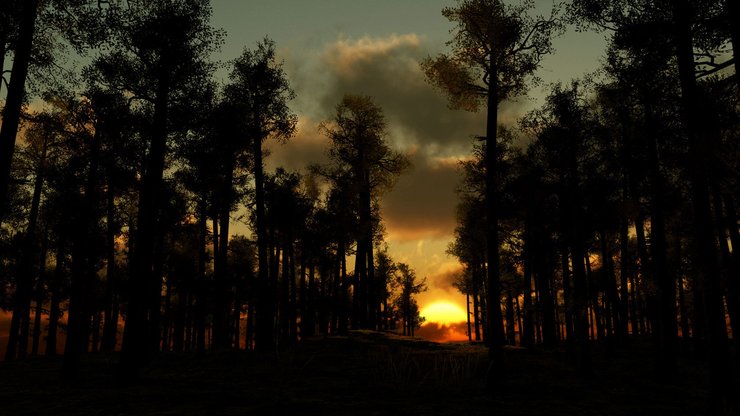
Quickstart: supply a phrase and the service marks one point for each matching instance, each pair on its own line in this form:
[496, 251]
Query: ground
[365, 373]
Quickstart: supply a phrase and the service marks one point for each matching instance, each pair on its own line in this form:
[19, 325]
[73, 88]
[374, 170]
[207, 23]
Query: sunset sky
[333, 47]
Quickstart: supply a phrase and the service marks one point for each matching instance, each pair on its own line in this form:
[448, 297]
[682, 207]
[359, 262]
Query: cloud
[422, 204]
[388, 70]
[307, 147]
[434, 331]
[445, 277]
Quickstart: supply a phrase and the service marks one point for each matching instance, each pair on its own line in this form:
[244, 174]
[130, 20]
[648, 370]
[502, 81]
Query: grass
[365, 373]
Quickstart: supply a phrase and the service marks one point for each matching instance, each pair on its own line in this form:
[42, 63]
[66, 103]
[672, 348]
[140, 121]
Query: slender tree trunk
[110, 327]
[732, 229]
[293, 302]
[40, 296]
[728, 273]
[14, 99]
[157, 325]
[218, 310]
[597, 326]
[249, 331]
[95, 335]
[612, 308]
[344, 287]
[476, 315]
[510, 327]
[179, 318]
[56, 297]
[683, 312]
[284, 285]
[494, 319]
[624, 272]
[265, 307]
[3, 51]
[527, 335]
[547, 304]
[625, 263]
[699, 327]
[467, 309]
[201, 284]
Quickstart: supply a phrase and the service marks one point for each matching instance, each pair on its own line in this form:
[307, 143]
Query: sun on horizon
[443, 312]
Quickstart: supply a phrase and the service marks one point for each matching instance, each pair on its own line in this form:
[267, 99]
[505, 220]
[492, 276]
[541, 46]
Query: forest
[596, 234]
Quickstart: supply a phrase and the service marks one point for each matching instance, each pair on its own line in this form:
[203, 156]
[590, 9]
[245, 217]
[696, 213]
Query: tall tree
[408, 286]
[359, 151]
[158, 55]
[16, 92]
[260, 90]
[495, 49]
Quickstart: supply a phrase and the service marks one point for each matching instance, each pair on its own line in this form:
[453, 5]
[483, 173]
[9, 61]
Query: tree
[691, 32]
[359, 152]
[157, 54]
[260, 90]
[496, 48]
[408, 287]
[16, 91]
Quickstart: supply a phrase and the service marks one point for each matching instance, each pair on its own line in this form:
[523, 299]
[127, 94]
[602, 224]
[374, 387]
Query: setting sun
[443, 312]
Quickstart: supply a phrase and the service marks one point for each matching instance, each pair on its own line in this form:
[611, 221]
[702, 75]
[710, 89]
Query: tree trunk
[467, 308]
[510, 327]
[110, 327]
[14, 99]
[201, 284]
[40, 296]
[527, 335]
[624, 272]
[494, 318]
[685, 329]
[612, 308]
[293, 301]
[265, 308]
[56, 297]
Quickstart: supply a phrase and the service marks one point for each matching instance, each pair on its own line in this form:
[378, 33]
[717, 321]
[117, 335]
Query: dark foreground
[363, 374]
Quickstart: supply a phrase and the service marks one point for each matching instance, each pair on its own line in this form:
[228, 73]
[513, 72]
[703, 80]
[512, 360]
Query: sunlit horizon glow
[443, 312]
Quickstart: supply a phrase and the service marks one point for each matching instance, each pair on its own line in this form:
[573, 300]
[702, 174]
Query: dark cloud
[307, 147]
[422, 204]
[445, 278]
[437, 332]
[388, 70]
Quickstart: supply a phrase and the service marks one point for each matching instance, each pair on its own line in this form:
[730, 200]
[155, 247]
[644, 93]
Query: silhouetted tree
[260, 90]
[496, 47]
[158, 55]
[408, 285]
[359, 152]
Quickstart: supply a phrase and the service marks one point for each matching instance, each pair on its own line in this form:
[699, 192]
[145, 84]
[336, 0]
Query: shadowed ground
[362, 374]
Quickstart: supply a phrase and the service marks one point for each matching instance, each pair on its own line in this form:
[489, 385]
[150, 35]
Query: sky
[373, 47]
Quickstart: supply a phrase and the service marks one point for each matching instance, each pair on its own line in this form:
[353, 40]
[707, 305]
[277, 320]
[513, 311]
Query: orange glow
[443, 312]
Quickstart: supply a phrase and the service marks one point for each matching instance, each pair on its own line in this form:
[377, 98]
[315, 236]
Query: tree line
[120, 193]
[609, 212]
